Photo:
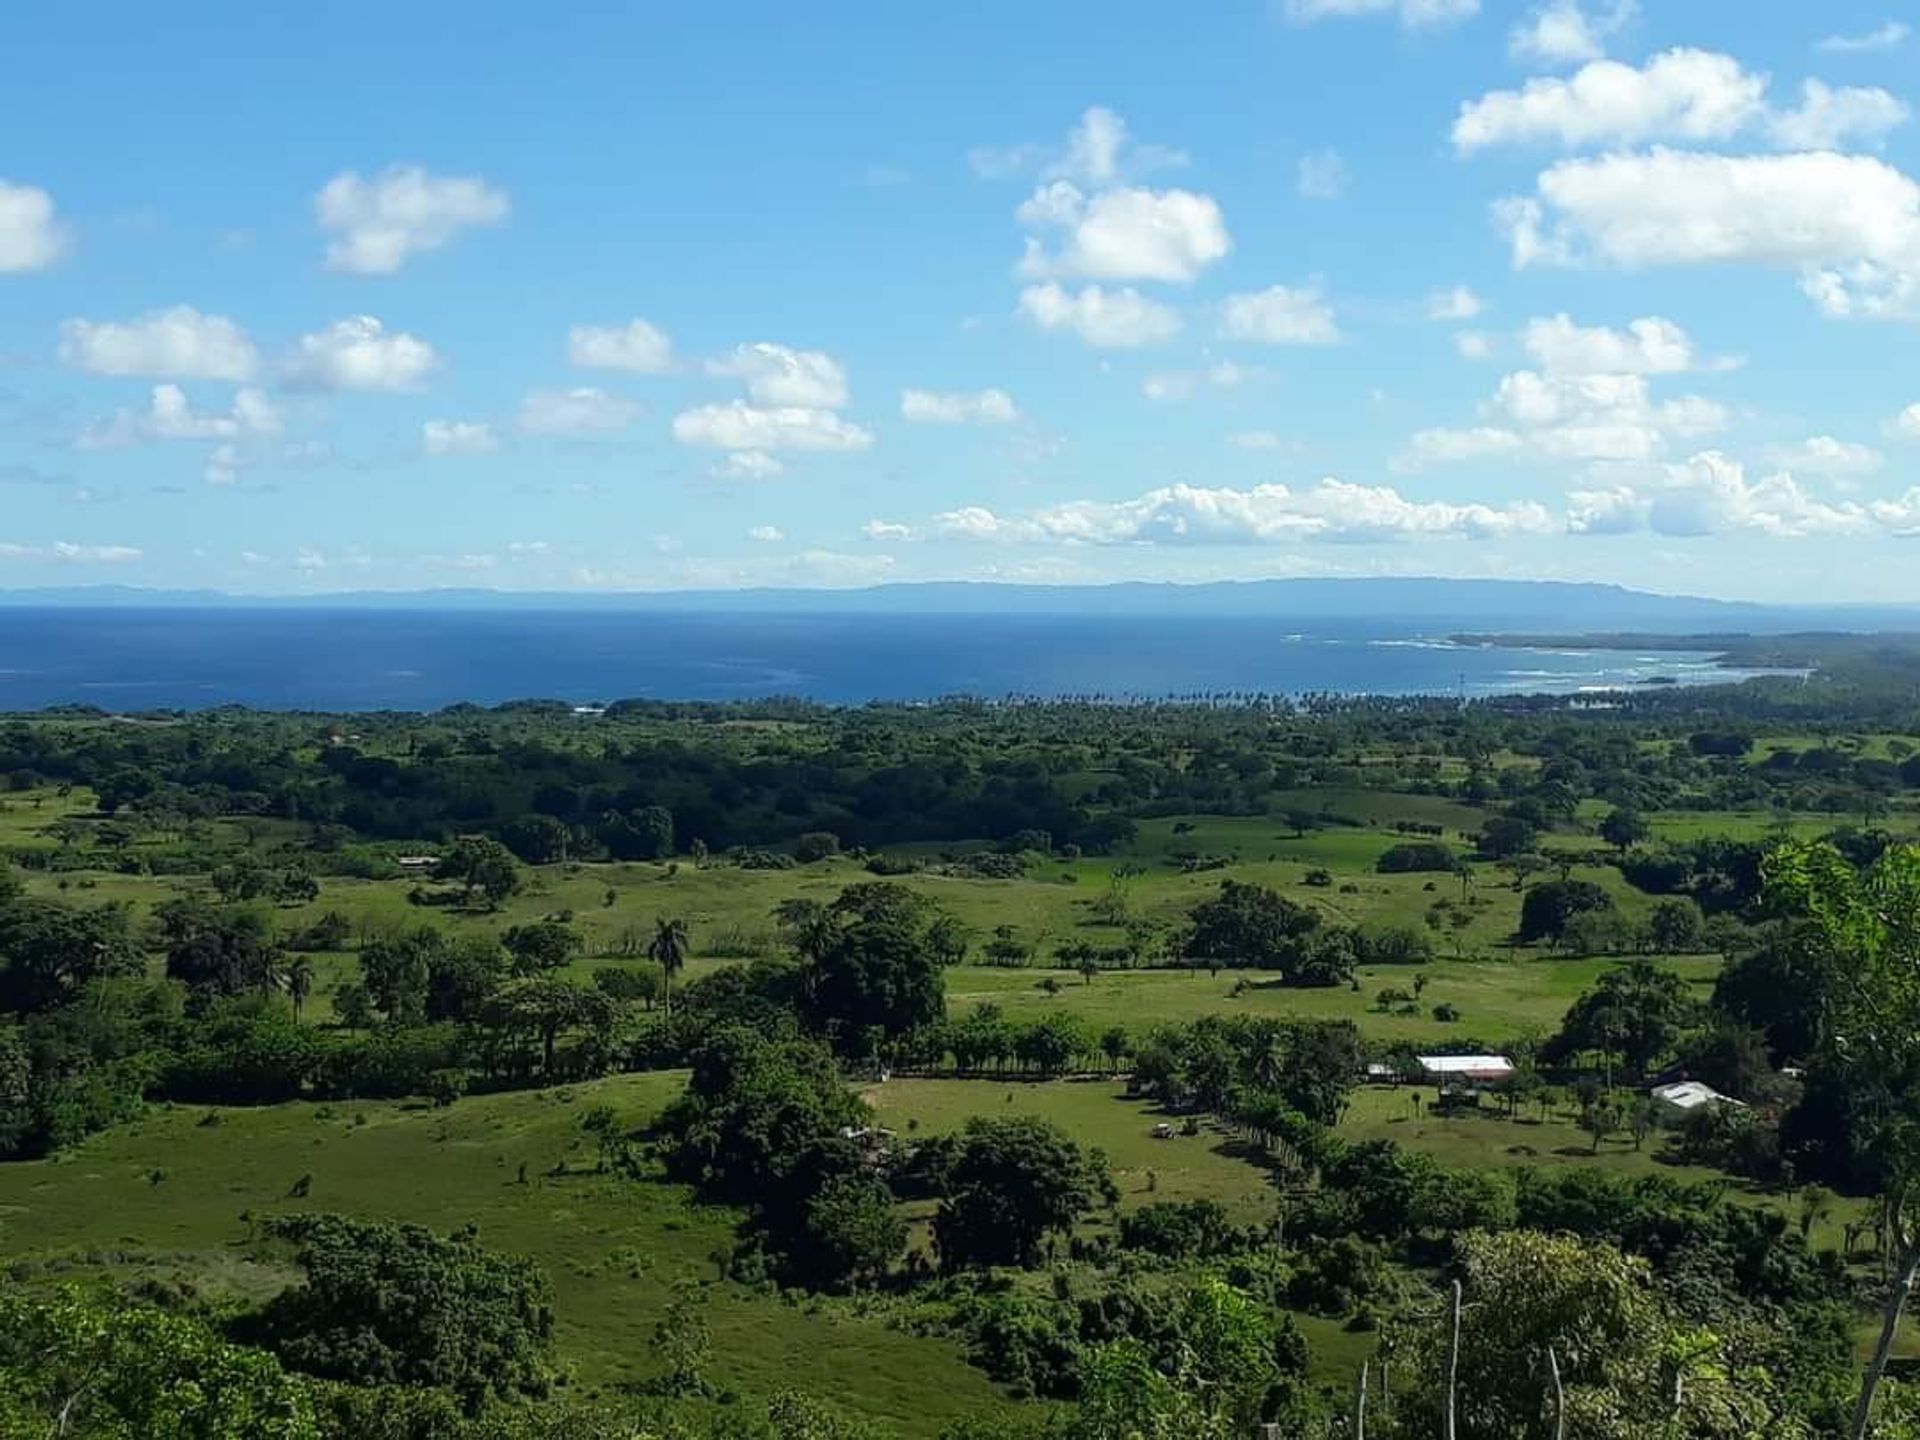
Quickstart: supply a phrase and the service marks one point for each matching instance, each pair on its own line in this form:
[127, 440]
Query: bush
[1413, 856]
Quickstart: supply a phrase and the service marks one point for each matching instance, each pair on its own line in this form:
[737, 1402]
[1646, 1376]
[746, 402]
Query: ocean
[146, 658]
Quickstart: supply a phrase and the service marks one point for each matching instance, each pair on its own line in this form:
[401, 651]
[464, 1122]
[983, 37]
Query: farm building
[1465, 1069]
[1685, 1097]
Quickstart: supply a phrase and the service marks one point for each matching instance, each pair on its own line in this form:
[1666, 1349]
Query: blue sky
[612, 297]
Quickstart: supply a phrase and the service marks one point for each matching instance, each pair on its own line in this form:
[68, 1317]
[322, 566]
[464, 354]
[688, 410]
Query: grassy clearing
[1499, 1000]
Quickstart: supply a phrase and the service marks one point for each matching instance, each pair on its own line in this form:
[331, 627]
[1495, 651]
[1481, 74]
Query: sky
[609, 297]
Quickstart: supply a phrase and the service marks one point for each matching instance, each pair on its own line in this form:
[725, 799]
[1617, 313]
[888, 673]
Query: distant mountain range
[1521, 606]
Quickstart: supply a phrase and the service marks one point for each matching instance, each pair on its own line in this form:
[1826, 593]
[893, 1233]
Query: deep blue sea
[325, 659]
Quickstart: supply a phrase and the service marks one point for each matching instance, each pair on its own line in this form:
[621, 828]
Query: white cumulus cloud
[1650, 345]
[778, 375]
[1457, 302]
[1710, 494]
[1569, 417]
[1561, 33]
[740, 426]
[458, 437]
[1180, 515]
[1828, 457]
[1827, 119]
[170, 416]
[32, 236]
[583, 411]
[378, 224]
[748, 465]
[1848, 224]
[1906, 425]
[175, 344]
[1890, 35]
[958, 407]
[638, 347]
[359, 354]
[766, 534]
[1120, 319]
[1280, 315]
[1125, 233]
[1680, 94]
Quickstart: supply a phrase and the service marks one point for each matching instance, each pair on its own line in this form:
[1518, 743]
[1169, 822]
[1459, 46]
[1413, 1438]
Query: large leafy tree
[1637, 1011]
[215, 952]
[73, 1365]
[1256, 927]
[49, 951]
[398, 1304]
[1009, 1183]
[1628, 1367]
[1868, 1060]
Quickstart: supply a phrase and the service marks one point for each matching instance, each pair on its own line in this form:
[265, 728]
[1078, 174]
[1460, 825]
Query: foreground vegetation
[522, 1072]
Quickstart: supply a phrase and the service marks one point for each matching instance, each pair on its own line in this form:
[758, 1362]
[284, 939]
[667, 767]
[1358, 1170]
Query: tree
[1637, 1011]
[1504, 836]
[1871, 1047]
[1675, 927]
[297, 978]
[1623, 828]
[1256, 927]
[214, 952]
[1626, 1365]
[395, 970]
[539, 1010]
[537, 839]
[50, 952]
[1007, 950]
[816, 845]
[853, 1230]
[1547, 908]
[481, 865]
[668, 949]
[387, 1303]
[1008, 1185]
[295, 885]
[542, 945]
[643, 834]
[686, 1345]
[630, 984]
[871, 975]
[77, 1365]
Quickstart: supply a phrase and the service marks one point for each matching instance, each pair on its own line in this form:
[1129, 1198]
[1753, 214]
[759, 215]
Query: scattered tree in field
[1623, 828]
[1547, 909]
[481, 866]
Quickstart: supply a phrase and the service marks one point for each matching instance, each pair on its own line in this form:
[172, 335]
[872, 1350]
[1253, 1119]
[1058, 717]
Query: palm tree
[668, 949]
[297, 979]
